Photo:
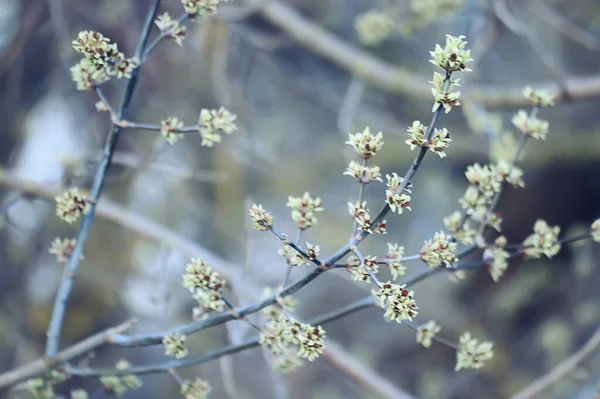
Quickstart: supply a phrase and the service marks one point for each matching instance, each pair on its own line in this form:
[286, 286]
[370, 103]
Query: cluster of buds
[169, 128]
[486, 181]
[417, 138]
[261, 218]
[365, 144]
[71, 205]
[531, 125]
[393, 259]
[444, 96]
[285, 358]
[396, 195]
[200, 8]
[363, 174]
[439, 250]
[101, 59]
[426, 333]
[304, 210]
[472, 353]
[171, 27]
[539, 98]
[460, 228]
[360, 213]
[362, 271]
[197, 389]
[496, 257]
[118, 385]
[295, 258]
[213, 121]
[543, 241]
[453, 56]
[374, 26]
[595, 230]
[43, 387]
[175, 345]
[399, 303]
[206, 286]
[279, 335]
[63, 248]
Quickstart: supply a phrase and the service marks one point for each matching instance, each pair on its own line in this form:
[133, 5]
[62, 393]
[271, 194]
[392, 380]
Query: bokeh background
[295, 107]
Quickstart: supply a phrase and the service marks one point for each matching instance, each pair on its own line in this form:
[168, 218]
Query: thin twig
[66, 284]
[561, 370]
[193, 360]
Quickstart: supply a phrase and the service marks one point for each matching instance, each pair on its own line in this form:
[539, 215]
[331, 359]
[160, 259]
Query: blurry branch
[113, 212]
[562, 370]
[27, 26]
[193, 360]
[563, 25]
[39, 366]
[360, 373]
[134, 160]
[386, 76]
[66, 283]
[524, 30]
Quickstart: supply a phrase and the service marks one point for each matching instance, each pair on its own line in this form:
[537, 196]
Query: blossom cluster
[439, 250]
[362, 271]
[63, 248]
[43, 387]
[595, 230]
[374, 26]
[206, 286]
[543, 241]
[426, 333]
[101, 60]
[171, 27]
[200, 8]
[304, 210]
[118, 385]
[496, 257]
[285, 357]
[460, 228]
[472, 353]
[261, 218]
[418, 138]
[393, 260]
[284, 332]
[396, 195]
[363, 174]
[295, 258]
[213, 121]
[453, 56]
[486, 181]
[168, 128]
[531, 125]
[71, 205]
[539, 98]
[197, 389]
[399, 303]
[175, 345]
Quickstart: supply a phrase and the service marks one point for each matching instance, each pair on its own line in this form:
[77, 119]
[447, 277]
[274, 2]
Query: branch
[193, 360]
[66, 284]
[560, 371]
[388, 77]
[40, 365]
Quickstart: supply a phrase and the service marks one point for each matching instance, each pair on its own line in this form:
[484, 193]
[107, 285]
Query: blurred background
[296, 104]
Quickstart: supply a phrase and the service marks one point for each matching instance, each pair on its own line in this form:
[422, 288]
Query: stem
[66, 284]
[193, 360]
